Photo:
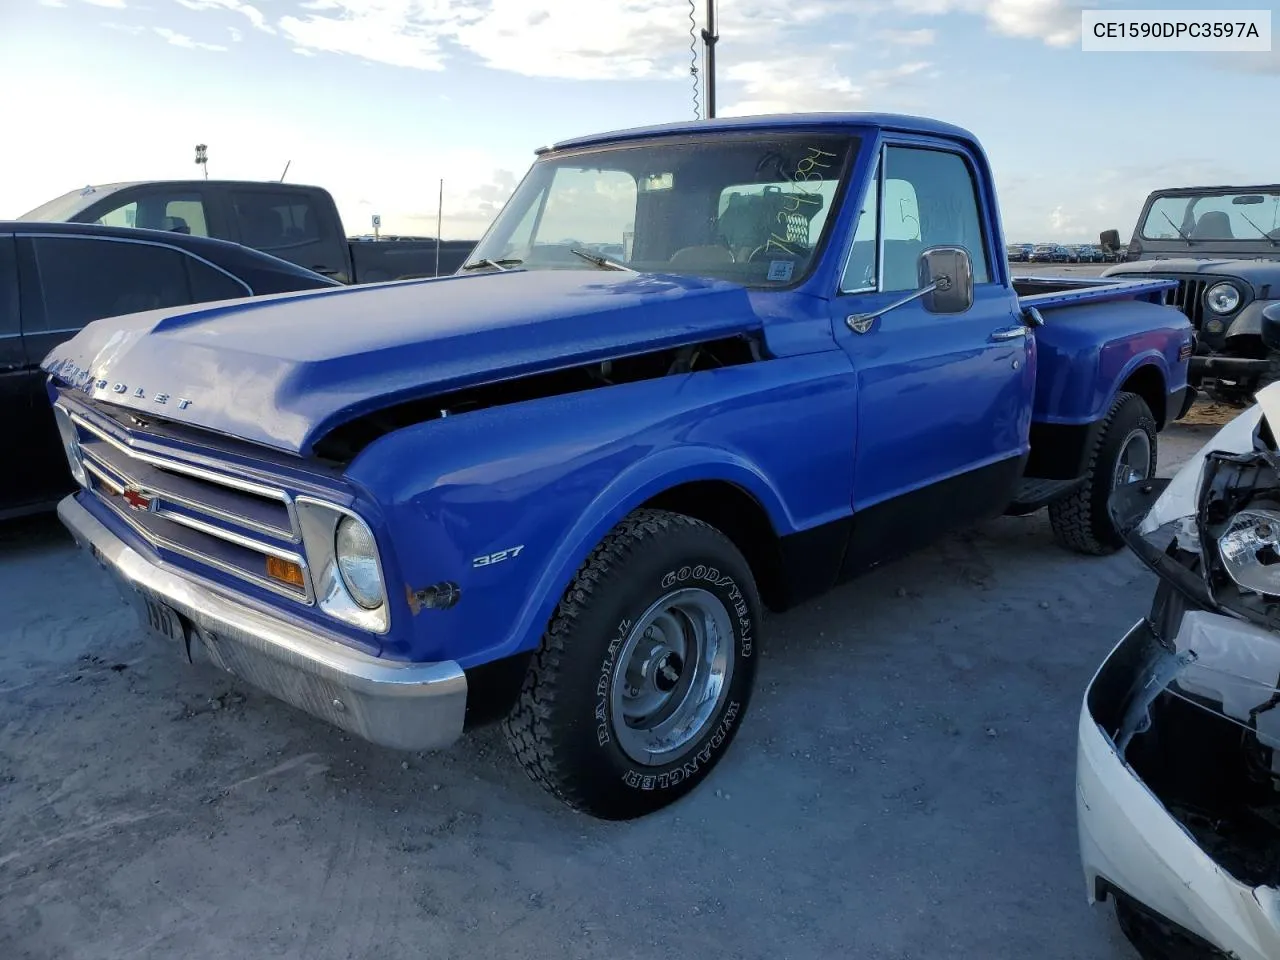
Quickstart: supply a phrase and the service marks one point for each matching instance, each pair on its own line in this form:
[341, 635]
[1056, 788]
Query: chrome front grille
[207, 515]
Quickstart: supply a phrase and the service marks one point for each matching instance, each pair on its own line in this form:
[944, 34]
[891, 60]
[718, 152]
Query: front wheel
[1124, 451]
[644, 674]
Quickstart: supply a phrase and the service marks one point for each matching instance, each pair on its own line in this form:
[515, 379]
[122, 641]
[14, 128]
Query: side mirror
[946, 279]
[1271, 326]
[1109, 240]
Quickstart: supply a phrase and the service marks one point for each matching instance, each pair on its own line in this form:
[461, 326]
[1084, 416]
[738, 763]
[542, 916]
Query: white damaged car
[1178, 769]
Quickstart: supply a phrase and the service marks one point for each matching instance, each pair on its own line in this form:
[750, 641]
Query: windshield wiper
[496, 264]
[1265, 236]
[1184, 236]
[603, 262]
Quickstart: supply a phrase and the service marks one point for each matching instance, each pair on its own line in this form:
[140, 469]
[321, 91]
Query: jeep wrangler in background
[1222, 246]
[690, 371]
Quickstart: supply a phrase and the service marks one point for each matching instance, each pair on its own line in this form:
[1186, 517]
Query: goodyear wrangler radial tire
[644, 674]
[1080, 521]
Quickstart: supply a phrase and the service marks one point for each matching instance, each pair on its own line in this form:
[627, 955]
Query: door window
[82, 280]
[860, 268]
[177, 213]
[210, 284]
[930, 200]
[8, 289]
[275, 221]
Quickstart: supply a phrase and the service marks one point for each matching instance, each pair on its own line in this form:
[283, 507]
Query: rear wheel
[644, 674]
[1124, 451]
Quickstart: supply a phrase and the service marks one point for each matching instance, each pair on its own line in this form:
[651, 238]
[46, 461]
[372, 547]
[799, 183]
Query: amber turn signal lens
[284, 570]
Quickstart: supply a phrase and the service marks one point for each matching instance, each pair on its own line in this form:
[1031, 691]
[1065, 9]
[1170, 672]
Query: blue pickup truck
[691, 371]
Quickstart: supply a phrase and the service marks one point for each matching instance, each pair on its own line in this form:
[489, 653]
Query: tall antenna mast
[709, 39]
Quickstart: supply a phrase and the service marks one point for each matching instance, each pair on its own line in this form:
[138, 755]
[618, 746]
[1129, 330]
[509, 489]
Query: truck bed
[374, 261]
[1043, 293]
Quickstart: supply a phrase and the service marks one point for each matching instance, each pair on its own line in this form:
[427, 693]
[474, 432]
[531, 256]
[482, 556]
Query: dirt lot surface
[903, 787]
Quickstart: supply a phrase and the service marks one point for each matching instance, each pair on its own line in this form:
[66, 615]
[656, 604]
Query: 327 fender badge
[489, 559]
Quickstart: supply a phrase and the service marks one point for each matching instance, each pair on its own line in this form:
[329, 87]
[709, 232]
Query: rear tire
[644, 674]
[1124, 450]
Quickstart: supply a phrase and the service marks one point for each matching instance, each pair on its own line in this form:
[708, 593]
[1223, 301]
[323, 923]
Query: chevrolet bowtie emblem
[136, 499]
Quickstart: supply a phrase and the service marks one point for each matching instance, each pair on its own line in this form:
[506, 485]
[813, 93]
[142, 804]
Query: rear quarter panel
[1087, 351]
[552, 476]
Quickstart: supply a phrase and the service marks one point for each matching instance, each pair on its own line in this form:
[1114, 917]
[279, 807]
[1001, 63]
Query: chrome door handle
[1008, 333]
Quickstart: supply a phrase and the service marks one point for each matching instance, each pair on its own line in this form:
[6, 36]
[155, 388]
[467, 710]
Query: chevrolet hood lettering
[102, 388]
[284, 370]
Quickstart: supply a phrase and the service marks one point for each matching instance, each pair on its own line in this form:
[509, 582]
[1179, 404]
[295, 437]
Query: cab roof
[780, 122]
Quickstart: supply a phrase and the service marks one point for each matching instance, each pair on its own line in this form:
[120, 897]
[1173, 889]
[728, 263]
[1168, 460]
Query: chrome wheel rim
[671, 675]
[1134, 462]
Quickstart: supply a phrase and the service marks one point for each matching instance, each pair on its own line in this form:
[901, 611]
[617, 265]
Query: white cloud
[182, 40]
[1055, 22]
[113, 4]
[908, 38]
[246, 10]
[236, 35]
[402, 33]
[623, 39]
[770, 86]
[53, 3]
[561, 38]
[567, 39]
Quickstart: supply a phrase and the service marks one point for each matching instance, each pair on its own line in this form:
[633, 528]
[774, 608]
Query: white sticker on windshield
[781, 269]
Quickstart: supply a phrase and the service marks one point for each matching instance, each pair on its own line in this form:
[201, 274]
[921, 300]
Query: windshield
[1214, 216]
[750, 209]
[62, 209]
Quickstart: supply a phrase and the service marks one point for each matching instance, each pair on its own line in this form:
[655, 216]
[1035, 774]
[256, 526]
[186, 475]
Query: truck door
[944, 408]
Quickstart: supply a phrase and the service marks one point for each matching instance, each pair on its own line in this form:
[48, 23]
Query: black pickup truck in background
[291, 221]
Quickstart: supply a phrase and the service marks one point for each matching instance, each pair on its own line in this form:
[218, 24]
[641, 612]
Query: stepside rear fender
[1087, 352]
[508, 502]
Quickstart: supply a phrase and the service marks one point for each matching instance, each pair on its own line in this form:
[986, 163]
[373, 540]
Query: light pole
[202, 158]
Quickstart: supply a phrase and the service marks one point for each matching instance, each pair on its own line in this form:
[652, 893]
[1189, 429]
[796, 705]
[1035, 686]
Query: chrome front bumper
[406, 706]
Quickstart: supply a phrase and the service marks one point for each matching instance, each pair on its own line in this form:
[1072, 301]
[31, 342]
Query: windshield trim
[64, 206]
[855, 137]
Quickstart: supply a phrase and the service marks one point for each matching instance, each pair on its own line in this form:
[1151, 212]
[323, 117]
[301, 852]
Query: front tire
[1124, 451]
[644, 674]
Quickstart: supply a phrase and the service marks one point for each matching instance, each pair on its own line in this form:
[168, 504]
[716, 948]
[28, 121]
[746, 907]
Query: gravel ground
[903, 787]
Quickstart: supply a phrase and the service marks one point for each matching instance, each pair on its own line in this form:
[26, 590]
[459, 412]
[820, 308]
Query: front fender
[640, 483]
[508, 501]
[1249, 322]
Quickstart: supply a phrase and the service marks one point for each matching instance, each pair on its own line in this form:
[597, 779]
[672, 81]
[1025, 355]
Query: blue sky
[378, 99]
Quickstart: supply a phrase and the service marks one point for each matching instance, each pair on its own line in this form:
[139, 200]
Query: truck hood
[1257, 272]
[285, 370]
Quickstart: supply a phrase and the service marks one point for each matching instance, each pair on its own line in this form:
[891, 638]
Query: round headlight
[357, 557]
[1222, 298]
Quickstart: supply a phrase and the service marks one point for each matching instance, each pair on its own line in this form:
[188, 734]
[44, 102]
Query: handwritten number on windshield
[807, 171]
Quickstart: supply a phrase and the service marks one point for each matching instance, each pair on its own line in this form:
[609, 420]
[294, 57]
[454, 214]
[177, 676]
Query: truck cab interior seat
[1213, 225]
